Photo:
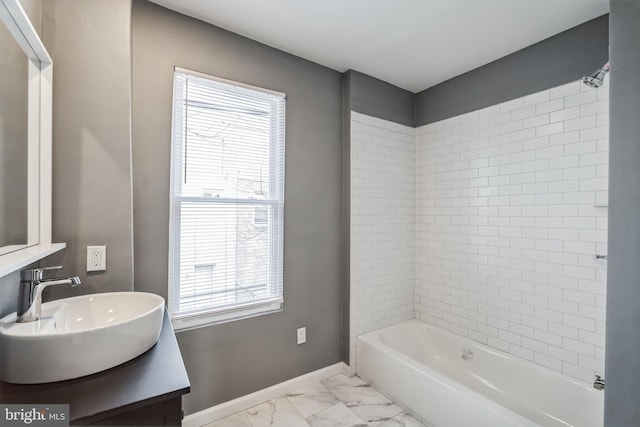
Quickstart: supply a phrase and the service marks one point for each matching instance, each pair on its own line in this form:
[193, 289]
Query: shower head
[596, 79]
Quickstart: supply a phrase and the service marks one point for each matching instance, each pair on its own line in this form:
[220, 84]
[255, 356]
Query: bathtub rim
[489, 349]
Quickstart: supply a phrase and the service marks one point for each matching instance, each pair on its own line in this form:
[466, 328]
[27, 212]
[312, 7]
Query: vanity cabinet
[168, 413]
[147, 390]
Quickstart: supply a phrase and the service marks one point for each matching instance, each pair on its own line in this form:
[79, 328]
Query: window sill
[201, 320]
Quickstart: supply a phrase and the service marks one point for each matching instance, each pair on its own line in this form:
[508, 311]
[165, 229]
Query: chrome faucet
[31, 286]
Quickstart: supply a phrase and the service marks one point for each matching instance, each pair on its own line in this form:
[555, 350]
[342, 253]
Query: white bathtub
[421, 368]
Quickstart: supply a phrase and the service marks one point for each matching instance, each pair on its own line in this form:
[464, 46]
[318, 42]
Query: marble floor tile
[403, 420]
[339, 401]
[375, 415]
[365, 401]
[235, 420]
[337, 415]
[279, 412]
[353, 389]
[313, 399]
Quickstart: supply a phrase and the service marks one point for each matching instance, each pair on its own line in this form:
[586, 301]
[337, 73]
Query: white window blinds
[227, 194]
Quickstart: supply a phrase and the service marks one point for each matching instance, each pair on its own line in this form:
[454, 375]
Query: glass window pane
[225, 255]
[227, 188]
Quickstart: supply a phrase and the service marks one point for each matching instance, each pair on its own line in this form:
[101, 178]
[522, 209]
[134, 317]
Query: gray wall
[557, 60]
[33, 9]
[229, 360]
[89, 42]
[623, 282]
[368, 95]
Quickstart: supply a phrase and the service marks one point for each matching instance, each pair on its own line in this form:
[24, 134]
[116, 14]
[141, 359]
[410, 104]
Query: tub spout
[598, 383]
[467, 354]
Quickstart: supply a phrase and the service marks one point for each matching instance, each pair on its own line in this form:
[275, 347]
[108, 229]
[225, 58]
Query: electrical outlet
[96, 258]
[302, 335]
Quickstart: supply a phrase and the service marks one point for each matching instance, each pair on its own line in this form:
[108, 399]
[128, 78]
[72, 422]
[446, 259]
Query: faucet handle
[34, 274]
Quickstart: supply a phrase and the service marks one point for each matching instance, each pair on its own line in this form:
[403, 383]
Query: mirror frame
[39, 138]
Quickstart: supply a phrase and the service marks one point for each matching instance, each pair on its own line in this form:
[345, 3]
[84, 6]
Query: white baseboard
[209, 415]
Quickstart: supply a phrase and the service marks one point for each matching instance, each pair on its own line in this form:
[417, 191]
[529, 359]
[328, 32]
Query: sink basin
[79, 336]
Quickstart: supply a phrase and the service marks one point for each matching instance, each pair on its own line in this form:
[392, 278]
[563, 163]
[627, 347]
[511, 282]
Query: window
[227, 200]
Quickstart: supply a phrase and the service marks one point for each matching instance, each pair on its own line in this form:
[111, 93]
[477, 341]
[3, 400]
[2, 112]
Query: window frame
[214, 315]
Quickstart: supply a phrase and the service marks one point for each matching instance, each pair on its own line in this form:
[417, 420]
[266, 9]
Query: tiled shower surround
[382, 225]
[510, 212]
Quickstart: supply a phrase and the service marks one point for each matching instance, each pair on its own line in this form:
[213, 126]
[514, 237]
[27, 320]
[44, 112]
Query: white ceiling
[413, 44]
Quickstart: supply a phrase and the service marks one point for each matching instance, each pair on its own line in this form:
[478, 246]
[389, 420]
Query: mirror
[25, 129]
[14, 111]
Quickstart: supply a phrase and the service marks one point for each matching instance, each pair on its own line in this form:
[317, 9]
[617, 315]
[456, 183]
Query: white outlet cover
[96, 258]
[302, 335]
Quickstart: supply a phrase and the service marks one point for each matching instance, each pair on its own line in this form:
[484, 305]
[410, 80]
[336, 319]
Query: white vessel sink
[79, 336]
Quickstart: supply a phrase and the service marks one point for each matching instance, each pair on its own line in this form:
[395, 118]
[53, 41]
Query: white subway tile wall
[382, 225]
[510, 213]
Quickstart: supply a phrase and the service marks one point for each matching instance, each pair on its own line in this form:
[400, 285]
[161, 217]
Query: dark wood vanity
[144, 391]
